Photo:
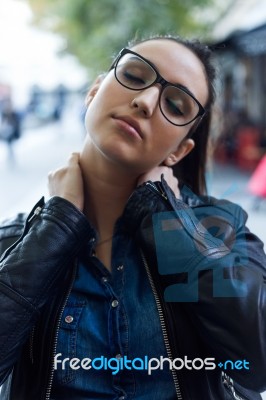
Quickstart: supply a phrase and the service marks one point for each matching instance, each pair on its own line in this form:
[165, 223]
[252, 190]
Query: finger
[74, 158]
[50, 175]
[57, 172]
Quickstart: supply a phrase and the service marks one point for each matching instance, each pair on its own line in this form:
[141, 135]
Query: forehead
[177, 64]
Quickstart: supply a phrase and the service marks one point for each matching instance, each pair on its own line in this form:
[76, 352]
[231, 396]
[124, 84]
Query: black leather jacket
[38, 269]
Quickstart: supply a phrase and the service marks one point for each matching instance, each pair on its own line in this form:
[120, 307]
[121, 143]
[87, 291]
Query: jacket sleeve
[216, 268]
[30, 270]
[226, 289]
[230, 311]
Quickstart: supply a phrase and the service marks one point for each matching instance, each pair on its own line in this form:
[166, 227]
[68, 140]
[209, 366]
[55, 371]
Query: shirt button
[114, 303]
[120, 268]
[104, 279]
[118, 356]
[69, 319]
[122, 398]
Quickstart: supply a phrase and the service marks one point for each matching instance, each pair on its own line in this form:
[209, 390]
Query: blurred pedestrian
[60, 95]
[10, 126]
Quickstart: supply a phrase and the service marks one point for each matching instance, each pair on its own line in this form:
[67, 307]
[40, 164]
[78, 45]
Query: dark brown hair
[191, 170]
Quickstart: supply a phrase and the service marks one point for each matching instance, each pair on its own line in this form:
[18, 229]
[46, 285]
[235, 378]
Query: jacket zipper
[31, 344]
[229, 384]
[163, 326]
[154, 187]
[35, 214]
[51, 374]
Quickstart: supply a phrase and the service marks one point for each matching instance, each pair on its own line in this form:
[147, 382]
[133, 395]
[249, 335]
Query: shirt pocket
[67, 342]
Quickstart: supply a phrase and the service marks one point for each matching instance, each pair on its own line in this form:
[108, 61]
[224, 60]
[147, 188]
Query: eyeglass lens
[176, 105]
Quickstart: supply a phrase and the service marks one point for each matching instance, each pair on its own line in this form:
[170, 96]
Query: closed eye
[173, 108]
[136, 80]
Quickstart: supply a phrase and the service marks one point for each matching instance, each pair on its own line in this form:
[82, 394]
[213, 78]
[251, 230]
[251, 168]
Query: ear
[94, 89]
[183, 149]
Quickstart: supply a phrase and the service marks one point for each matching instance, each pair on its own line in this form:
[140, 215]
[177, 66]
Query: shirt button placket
[115, 303]
[69, 319]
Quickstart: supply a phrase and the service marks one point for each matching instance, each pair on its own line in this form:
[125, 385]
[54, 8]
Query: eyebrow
[179, 85]
[185, 88]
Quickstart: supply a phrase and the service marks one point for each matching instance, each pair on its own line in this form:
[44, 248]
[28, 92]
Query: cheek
[168, 138]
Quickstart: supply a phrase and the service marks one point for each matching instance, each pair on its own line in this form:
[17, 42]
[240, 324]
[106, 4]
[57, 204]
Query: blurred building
[240, 45]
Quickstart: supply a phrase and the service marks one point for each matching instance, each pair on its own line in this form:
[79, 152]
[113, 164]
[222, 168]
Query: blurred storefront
[242, 94]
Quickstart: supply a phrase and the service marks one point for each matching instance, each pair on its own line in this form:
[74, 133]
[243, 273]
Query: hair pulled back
[191, 169]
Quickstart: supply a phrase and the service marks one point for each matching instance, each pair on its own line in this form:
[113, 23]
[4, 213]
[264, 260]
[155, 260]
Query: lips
[130, 123]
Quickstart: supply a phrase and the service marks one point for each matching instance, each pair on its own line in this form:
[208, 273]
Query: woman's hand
[155, 175]
[67, 182]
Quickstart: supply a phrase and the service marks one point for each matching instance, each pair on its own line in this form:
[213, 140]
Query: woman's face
[127, 127]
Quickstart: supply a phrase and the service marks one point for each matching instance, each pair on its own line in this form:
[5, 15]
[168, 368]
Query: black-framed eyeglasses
[176, 103]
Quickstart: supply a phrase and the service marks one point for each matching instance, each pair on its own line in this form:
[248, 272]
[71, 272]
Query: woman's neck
[106, 191]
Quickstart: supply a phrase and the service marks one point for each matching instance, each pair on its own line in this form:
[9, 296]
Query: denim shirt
[112, 315]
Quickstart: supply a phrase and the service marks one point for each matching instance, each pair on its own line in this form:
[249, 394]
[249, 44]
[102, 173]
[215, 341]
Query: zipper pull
[162, 191]
[35, 210]
[157, 187]
[35, 213]
[227, 381]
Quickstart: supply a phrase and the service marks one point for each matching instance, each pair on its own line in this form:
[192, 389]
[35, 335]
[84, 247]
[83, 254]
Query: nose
[146, 101]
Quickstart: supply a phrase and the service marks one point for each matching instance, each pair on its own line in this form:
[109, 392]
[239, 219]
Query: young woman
[129, 283]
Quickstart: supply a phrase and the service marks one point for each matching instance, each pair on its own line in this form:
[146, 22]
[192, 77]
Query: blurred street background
[50, 51]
